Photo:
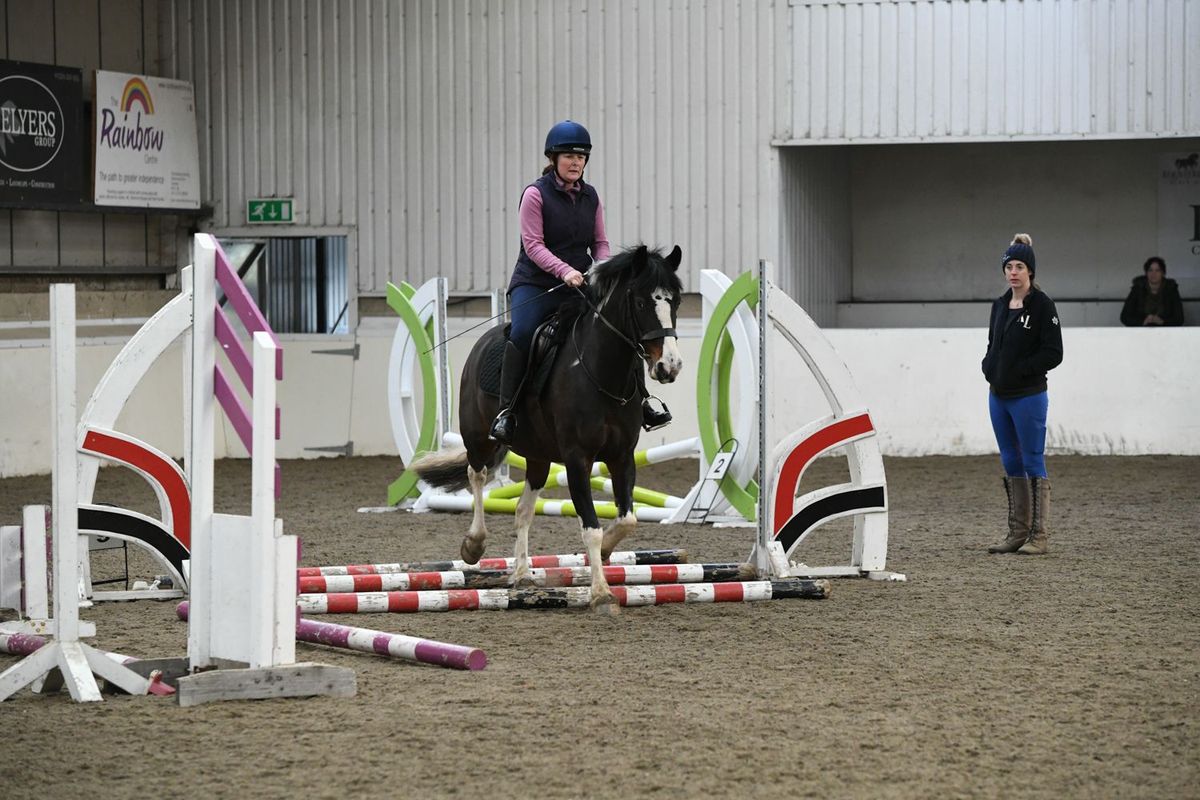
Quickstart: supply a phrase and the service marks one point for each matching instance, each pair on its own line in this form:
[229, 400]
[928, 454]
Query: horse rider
[562, 233]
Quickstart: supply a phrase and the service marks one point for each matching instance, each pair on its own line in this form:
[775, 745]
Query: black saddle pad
[537, 371]
[489, 367]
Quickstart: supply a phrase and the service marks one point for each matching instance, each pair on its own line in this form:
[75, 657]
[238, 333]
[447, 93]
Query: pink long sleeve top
[533, 240]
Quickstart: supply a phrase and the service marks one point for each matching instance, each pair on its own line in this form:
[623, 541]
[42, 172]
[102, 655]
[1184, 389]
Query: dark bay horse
[589, 409]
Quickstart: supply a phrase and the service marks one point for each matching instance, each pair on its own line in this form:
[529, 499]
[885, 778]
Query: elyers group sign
[146, 150]
[41, 146]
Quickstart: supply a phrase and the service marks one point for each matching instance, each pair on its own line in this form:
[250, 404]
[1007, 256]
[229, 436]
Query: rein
[656, 333]
[637, 348]
[579, 356]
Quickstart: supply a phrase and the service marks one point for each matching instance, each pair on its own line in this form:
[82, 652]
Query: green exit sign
[269, 210]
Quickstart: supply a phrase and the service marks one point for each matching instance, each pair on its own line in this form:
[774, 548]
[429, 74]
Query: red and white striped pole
[569, 597]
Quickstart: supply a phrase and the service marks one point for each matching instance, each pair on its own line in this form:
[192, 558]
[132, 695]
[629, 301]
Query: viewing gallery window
[298, 282]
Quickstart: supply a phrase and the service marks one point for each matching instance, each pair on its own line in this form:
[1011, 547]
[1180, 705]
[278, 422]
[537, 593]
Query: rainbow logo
[136, 91]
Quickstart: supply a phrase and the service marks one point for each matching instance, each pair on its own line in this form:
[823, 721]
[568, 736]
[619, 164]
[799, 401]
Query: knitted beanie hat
[1021, 249]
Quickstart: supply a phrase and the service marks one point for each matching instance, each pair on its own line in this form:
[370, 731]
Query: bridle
[634, 344]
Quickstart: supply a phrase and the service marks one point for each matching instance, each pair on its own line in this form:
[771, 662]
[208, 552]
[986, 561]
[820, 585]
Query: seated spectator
[1154, 298]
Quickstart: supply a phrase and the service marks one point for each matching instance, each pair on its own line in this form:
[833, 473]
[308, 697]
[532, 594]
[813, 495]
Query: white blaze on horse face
[668, 366]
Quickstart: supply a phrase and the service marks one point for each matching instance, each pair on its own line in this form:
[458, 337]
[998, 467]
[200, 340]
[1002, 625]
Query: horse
[589, 409]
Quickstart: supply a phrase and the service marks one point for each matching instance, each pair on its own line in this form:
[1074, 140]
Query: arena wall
[1118, 392]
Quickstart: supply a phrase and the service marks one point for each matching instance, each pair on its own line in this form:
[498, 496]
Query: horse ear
[640, 258]
[672, 260]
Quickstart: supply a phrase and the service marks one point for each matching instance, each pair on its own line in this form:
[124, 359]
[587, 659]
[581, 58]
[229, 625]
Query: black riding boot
[512, 371]
[652, 418]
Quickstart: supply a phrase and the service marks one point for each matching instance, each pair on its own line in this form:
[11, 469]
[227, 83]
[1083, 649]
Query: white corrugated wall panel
[415, 124]
[816, 267]
[921, 70]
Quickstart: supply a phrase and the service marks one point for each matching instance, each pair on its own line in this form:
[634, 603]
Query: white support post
[72, 658]
[33, 563]
[202, 343]
[261, 550]
[273, 601]
[64, 519]
[185, 287]
[242, 616]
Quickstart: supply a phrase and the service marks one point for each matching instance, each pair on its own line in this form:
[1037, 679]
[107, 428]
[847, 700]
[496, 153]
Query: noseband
[639, 334]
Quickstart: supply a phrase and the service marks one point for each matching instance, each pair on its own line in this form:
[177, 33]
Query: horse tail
[445, 469]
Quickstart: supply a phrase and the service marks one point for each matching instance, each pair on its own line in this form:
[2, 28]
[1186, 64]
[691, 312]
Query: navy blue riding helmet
[568, 137]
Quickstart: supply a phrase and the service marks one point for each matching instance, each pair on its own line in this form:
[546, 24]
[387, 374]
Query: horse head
[653, 292]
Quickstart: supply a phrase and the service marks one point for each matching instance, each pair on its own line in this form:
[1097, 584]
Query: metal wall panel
[817, 252]
[116, 35]
[416, 123]
[957, 70]
[81, 235]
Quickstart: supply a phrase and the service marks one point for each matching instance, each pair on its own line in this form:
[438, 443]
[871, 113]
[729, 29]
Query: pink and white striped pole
[26, 644]
[21, 644]
[393, 645]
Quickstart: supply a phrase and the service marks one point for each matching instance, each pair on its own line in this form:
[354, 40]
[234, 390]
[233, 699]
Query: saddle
[542, 352]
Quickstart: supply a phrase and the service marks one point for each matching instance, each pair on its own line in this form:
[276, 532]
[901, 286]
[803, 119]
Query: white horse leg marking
[525, 508]
[472, 544]
[477, 480]
[601, 594]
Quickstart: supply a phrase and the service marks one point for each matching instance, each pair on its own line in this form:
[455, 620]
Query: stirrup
[503, 427]
[652, 419]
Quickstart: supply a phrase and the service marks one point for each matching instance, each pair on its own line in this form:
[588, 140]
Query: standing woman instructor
[1024, 343]
[562, 233]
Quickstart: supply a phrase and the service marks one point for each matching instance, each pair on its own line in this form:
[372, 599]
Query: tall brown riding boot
[1020, 515]
[1038, 542]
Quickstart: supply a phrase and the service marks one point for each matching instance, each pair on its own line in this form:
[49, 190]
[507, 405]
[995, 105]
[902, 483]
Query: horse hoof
[471, 550]
[612, 538]
[607, 609]
[605, 603]
[526, 581]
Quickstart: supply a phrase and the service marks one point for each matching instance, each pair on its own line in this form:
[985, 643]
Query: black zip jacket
[1172, 303]
[1022, 349]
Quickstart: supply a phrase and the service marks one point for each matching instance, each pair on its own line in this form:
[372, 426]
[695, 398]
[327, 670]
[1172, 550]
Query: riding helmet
[568, 137]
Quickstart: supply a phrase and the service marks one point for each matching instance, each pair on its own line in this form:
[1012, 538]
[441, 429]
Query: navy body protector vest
[568, 228]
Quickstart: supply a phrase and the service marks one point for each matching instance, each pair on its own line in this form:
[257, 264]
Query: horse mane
[626, 266]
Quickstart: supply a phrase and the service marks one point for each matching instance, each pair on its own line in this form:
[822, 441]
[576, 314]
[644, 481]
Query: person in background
[562, 234]
[1153, 299]
[1024, 343]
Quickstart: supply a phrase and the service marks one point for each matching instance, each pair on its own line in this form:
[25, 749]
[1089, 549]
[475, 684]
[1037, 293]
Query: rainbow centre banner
[146, 146]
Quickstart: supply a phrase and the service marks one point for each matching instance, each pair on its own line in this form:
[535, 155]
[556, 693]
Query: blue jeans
[1020, 427]
[529, 307]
